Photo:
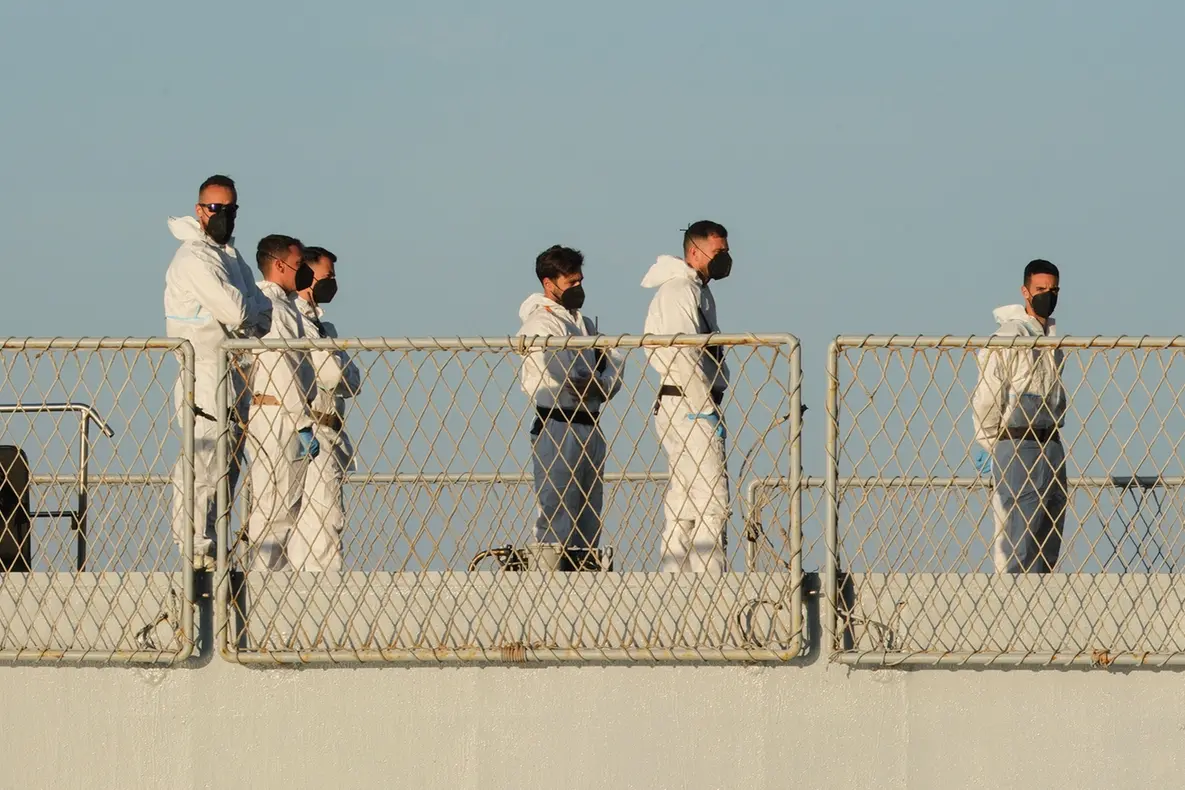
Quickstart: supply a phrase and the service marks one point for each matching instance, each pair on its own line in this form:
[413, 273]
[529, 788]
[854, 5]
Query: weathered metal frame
[834, 484]
[479, 656]
[186, 624]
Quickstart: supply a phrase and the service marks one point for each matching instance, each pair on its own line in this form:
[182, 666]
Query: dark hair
[219, 181]
[1040, 267]
[557, 261]
[701, 231]
[313, 254]
[274, 246]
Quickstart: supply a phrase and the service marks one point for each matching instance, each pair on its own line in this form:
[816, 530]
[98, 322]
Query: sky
[881, 167]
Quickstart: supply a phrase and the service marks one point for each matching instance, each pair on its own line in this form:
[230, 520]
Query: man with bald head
[210, 295]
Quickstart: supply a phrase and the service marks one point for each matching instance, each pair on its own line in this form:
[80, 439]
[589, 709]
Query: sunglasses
[218, 208]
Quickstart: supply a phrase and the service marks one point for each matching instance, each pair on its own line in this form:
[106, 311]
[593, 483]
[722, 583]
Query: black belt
[1040, 435]
[575, 416]
[330, 421]
[671, 391]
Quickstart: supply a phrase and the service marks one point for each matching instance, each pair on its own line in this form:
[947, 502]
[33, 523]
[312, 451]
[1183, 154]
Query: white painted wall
[218, 725]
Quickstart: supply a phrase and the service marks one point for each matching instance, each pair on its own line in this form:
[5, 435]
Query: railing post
[829, 611]
[84, 457]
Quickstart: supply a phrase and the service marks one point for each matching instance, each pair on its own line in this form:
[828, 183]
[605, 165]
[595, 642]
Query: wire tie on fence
[168, 614]
[515, 652]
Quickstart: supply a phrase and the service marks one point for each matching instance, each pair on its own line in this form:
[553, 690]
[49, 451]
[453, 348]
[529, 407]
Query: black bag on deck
[15, 535]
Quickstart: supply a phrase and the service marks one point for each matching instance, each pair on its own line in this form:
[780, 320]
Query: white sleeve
[258, 306]
[609, 373]
[335, 370]
[285, 372]
[990, 397]
[681, 366]
[211, 286]
[547, 370]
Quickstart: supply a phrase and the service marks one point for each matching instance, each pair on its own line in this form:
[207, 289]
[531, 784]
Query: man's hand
[982, 460]
[309, 446]
[586, 387]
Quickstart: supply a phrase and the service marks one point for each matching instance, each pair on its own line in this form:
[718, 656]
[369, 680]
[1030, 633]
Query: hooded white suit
[687, 418]
[567, 447]
[210, 295]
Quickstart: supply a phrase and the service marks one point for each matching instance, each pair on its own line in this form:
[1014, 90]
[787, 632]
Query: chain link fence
[426, 502]
[924, 529]
[440, 548]
[94, 462]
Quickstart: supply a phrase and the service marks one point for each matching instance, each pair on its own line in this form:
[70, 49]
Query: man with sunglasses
[280, 431]
[210, 295]
[688, 413]
[1019, 407]
[316, 543]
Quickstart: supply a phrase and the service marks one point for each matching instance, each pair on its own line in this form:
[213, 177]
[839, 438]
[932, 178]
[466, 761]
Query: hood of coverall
[668, 268]
[536, 302]
[189, 229]
[1018, 314]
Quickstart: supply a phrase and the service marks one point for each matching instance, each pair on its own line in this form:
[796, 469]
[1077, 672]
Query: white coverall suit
[210, 295]
[316, 543]
[1019, 405]
[694, 381]
[283, 386]
[567, 446]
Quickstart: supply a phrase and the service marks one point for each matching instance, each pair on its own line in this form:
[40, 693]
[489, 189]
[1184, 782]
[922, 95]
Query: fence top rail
[92, 343]
[844, 342]
[41, 408]
[518, 343]
[1112, 481]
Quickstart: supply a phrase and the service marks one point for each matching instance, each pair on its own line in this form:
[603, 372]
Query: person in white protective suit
[210, 295]
[568, 388]
[1019, 407]
[280, 436]
[316, 543]
[688, 414]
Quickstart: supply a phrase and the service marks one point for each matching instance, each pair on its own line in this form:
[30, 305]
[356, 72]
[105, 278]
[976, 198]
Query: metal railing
[902, 526]
[916, 553]
[116, 590]
[86, 416]
[440, 429]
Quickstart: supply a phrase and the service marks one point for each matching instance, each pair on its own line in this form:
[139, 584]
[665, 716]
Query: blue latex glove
[712, 418]
[982, 460]
[309, 446]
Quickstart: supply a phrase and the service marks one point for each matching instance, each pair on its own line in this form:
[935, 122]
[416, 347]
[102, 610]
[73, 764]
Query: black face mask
[720, 266]
[573, 298]
[221, 227]
[1044, 303]
[325, 290]
[304, 277]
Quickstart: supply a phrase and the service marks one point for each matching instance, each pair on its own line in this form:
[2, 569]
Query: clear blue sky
[882, 167]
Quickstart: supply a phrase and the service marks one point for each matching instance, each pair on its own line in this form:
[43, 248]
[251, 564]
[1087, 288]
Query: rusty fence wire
[941, 549]
[95, 461]
[446, 543]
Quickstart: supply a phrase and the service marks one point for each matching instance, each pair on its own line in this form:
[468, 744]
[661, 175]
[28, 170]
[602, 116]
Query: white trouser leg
[316, 543]
[696, 503]
[277, 481]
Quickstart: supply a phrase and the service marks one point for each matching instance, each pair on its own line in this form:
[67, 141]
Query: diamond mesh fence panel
[94, 461]
[467, 526]
[1012, 500]
[769, 506]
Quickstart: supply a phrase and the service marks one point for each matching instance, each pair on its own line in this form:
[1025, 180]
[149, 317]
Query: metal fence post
[829, 612]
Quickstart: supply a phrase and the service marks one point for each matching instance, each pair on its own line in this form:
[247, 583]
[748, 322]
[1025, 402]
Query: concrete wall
[812, 724]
